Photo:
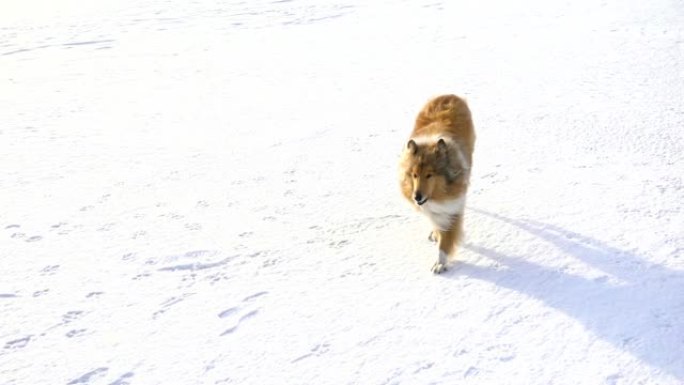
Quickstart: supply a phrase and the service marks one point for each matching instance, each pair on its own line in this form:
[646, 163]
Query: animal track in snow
[34, 238]
[90, 42]
[239, 321]
[75, 333]
[503, 353]
[269, 263]
[228, 312]
[18, 343]
[196, 265]
[193, 226]
[233, 312]
[424, 366]
[71, 316]
[199, 253]
[107, 226]
[141, 276]
[339, 244]
[49, 270]
[471, 372]
[168, 303]
[85, 378]
[254, 296]
[123, 380]
[315, 351]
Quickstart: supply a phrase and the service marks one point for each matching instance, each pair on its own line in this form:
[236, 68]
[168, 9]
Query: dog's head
[425, 168]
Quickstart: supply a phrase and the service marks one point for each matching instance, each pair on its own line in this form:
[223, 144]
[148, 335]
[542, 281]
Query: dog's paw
[433, 236]
[439, 267]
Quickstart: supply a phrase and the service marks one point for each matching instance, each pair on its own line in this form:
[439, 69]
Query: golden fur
[435, 169]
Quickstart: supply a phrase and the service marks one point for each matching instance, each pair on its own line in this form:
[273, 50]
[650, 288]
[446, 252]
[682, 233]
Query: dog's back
[447, 116]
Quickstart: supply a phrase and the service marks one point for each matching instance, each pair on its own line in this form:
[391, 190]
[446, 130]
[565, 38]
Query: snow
[206, 193]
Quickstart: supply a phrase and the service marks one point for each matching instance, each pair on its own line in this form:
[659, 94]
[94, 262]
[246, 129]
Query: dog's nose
[418, 197]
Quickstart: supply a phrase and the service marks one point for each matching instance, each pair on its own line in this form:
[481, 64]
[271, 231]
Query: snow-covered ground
[205, 193]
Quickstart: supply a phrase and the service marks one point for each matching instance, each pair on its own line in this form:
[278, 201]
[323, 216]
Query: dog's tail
[445, 109]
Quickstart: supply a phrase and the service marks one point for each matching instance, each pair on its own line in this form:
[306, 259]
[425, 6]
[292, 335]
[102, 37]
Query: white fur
[440, 265]
[442, 213]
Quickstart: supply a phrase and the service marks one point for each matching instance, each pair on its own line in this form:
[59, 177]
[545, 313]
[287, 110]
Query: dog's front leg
[448, 241]
[446, 244]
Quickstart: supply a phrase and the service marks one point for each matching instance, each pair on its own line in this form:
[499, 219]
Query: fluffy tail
[446, 109]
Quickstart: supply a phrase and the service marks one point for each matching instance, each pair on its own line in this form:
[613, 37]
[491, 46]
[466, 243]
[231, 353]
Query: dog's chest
[442, 213]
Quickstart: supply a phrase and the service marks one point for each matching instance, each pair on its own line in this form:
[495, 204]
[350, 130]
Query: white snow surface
[206, 192]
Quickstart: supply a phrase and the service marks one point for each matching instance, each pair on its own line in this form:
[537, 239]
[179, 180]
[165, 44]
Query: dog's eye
[415, 176]
[428, 176]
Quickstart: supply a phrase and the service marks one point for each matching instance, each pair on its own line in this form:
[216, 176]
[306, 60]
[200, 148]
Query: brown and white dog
[435, 169]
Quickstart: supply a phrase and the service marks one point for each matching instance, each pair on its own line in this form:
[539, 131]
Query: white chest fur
[442, 213]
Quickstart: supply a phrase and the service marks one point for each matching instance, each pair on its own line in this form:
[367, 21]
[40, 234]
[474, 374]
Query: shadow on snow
[641, 316]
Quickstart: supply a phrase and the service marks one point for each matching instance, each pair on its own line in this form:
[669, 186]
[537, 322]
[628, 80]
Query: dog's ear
[442, 154]
[412, 147]
[441, 145]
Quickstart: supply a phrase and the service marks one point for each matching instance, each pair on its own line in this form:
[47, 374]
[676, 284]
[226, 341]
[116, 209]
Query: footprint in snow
[40, 292]
[339, 244]
[49, 270]
[228, 312]
[169, 303]
[18, 343]
[254, 296]
[316, 351]
[503, 353]
[233, 313]
[75, 333]
[85, 378]
[124, 379]
[107, 226]
[193, 226]
[471, 372]
[71, 316]
[239, 321]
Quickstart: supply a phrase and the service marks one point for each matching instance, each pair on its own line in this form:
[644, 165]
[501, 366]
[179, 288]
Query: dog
[435, 170]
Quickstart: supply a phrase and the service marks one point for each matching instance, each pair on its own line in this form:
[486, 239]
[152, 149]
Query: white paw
[439, 267]
[433, 236]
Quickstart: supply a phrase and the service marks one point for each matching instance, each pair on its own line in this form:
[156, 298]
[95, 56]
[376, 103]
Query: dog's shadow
[640, 315]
